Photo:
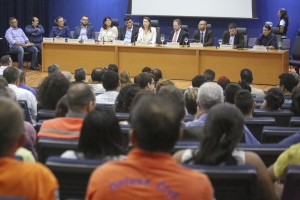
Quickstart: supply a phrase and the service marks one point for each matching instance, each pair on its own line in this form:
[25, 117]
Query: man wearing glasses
[18, 42]
[85, 30]
[129, 32]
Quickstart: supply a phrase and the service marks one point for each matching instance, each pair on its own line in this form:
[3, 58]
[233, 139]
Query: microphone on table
[105, 35]
[269, 42]
[134, 39]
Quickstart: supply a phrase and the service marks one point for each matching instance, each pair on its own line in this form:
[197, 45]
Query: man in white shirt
[5, 62]
[111, 84]
[96, 77]
[12, 75]
[246, 75]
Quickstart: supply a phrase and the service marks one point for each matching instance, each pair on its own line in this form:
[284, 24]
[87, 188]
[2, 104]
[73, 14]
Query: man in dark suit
[233, 37]
[178, 34]
[85, 30]
[129, 32]
[203, 35]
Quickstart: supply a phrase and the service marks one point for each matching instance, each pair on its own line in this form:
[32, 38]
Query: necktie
[201, 38]
[175, 37]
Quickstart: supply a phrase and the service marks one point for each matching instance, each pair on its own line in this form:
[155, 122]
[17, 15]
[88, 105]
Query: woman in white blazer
[107, 32]
[146, 32]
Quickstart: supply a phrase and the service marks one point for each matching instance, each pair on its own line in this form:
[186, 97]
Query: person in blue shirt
[23, 85]
[85, 30]
[60, 31]
[267, 38]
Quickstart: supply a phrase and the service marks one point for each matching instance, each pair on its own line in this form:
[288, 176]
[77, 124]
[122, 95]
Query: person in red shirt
[149, 172]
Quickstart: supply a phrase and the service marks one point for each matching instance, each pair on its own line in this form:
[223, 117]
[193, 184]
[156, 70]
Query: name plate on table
[141, 43]
[47, 39]
[89, 41]
[118, 42]
[226, 46]
[259, 48]
[196, 45]
[73, 41]
[172, 44]
[60, 40]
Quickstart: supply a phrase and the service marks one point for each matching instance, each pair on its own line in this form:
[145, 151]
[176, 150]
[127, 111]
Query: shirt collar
[12, 86]
[139, 154]
[75, 115]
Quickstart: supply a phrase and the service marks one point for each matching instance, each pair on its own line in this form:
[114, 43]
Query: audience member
[135, 79]
[209, 94]
[198, 80]
[81, 100]
[100, 137]
[20, 179]
[61, 109]
[113, 67]
[3, 81]
[287, 82]
[145, 80]
[223, 81]
[23, 85]
[245, 85]
[223, 130]
[209, 75]
[125, 78]
[51, 90]
[12, 75]
[68, 75]
[124, 99]
[111, 84]
[6, 61]
[96, 77]
[190, 97]
[295, 106]
[53, 68]
[146, 69]
[246, 75]
[273, 99]
[155, 130]
[157, 75]
[230, 91]
[80, 75]
[162, 83]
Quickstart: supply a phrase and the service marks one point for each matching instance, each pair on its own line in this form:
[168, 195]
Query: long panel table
[181, 63]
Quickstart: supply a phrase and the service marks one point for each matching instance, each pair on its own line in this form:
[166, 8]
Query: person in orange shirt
[81, 100]
[31, 181]
[149, 172]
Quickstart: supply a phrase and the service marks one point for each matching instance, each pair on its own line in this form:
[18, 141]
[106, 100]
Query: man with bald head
[203, 35]
[20, 179]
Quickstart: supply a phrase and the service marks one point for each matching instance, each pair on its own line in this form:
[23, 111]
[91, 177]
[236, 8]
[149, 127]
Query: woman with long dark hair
[283, 22]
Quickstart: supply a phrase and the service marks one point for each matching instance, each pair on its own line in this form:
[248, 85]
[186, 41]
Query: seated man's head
[111, 81]
[12, 127]
[273, 99]
[223, 81]
[209, 75]
[12, 75]
[232, 28]
[287, 82]
[146, 81]
[125, 97]
[230, 91]
[198, 80]
[209, 94]
[155, 124]
[244, 101]
[80, 98]
[162, 83]
[6, 61]
[147, 69]
[96, 75]
[113, 67]
[53, 68]
[80, 74]
[246, 75]
[157, 75]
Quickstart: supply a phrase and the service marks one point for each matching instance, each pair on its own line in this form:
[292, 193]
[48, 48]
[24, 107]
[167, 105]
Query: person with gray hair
[53, 68]
[209, 94]
[67, 74]
[32, 180]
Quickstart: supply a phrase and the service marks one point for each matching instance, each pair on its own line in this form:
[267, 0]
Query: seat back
[122, 116]
[115, 22]
[54, 147]
[231, 182]
[294, 121]
[275, 134]
[185, 28]
[267, 152]
[278, 38]
[107, 105]
[125, 133]
[137, 24]
[286, 44]
[72, 175]
[256, 124]
[242, 30]
[282, 117]
[275, 30]
[44, 114]
[208, 26]
[154, 23]
[291, 189]
[24, 106]
[181, 145]
[158, 35]
[251, 42]
[296, 49]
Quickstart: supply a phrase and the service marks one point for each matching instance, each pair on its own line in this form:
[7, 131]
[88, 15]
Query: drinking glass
[279, 45]
[220, 41]
[186, 40]
[162, 39]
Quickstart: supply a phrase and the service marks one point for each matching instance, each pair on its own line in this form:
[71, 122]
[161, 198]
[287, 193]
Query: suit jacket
[238, 39]
[90, 32]
[135, 32]
[180, 37]
[208, 37]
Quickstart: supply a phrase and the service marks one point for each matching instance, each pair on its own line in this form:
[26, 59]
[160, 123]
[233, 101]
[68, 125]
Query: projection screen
[194, 8]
